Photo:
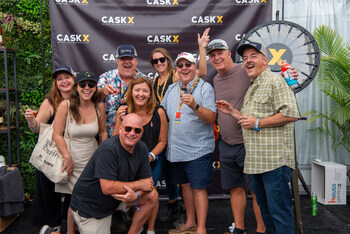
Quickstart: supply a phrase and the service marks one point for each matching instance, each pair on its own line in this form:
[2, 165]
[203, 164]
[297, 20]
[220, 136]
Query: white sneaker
[57, 228]
[232, 227]
[151, 232]
[45, 230]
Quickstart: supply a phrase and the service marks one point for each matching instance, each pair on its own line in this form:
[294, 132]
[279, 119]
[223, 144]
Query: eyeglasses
[187, 64]
[128, 129]
[90, 84]
[155, 61]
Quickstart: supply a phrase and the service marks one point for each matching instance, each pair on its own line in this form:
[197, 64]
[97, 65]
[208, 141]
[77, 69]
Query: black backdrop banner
[86, 33]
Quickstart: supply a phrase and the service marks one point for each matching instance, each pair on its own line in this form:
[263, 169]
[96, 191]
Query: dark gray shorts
[232, 165]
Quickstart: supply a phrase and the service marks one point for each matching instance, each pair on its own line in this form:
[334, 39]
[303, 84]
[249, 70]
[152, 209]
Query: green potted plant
[334, 81]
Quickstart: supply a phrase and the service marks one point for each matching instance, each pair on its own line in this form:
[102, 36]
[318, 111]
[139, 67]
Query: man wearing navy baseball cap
[254, 45]
[267, 119]
[113, 84]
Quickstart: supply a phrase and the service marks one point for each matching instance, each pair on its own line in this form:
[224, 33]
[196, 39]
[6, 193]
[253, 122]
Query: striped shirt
[273, 147]
[191, 138]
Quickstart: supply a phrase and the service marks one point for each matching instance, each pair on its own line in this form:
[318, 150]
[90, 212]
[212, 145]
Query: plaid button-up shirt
[273, 147]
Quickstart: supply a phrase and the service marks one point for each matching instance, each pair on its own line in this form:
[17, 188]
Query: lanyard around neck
[160, 97]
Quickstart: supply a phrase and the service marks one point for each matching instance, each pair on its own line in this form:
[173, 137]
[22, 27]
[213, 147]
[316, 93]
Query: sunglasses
[129, 129]
[90, 84]
[187, 64]
[155, 61]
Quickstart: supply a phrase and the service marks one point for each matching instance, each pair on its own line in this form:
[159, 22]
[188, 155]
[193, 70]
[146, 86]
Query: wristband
[137, 201]
[33, 128]
[256, 126]
[153, 156]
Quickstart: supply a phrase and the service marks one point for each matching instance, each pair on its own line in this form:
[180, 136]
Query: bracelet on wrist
[137, 201]
[35, 127]
[256, 126]
[153, 156]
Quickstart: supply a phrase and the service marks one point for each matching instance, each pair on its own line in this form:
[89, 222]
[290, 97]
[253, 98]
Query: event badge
[177, 118]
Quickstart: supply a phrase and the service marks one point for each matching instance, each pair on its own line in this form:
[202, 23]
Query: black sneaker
[172, 212]
[238, 231]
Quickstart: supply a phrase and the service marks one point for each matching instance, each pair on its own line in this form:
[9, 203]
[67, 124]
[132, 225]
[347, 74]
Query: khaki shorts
[92, 225]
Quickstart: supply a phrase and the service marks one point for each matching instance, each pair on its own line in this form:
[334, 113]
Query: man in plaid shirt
[267, 116]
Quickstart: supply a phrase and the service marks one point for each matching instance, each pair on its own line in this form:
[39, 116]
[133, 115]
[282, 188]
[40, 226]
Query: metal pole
[282, 10]
[42, 44]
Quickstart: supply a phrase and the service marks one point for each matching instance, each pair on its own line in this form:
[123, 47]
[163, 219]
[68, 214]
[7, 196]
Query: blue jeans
[172, 189]
[275, 200]
[158, 168]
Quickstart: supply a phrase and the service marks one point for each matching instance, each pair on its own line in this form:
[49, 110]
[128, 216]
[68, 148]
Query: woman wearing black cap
[47, 203]
[85, 119]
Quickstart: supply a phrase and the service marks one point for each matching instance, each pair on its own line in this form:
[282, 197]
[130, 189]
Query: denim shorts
[197, 172]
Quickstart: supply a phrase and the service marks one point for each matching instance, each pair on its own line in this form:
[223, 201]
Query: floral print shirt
[113, 101]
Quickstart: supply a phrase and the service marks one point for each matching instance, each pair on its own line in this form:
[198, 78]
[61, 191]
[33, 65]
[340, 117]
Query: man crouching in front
[117, 175]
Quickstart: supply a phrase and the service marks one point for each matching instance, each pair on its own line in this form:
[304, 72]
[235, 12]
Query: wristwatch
[196, 107]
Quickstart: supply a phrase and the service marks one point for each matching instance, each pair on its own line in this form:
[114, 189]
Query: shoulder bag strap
[66, 134]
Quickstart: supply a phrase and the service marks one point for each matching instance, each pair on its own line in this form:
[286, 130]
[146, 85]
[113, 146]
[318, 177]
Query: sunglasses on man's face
[187, 64]
[155, 61]
[90, 84]
[129, 129]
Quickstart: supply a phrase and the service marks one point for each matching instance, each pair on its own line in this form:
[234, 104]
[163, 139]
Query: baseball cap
[63, 68]
[86, 75]
[216, 44]
[253, 45]
[187, 56]
[126, 51]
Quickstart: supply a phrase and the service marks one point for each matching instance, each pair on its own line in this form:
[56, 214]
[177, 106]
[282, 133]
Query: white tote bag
[45, 156]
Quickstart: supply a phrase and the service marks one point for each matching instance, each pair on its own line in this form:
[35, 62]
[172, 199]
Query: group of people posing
[124, 128]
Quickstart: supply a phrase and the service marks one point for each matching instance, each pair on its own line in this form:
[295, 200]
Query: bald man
[117, 174]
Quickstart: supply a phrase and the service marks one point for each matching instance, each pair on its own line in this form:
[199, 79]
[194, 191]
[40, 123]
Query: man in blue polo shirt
[190, 106]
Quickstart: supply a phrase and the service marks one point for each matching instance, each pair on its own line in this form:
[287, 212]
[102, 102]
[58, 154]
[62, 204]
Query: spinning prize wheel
[285, 40]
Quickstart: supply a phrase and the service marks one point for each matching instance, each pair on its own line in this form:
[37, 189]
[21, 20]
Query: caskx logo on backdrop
[162, 3]
[163, 39]
[250, 2]
[208, 19]
[118, 20]
[72, 2]
[73, 38]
